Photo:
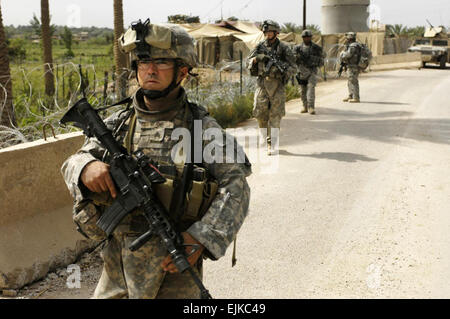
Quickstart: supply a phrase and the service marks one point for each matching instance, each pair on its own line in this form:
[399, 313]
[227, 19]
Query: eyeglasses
[159, 64]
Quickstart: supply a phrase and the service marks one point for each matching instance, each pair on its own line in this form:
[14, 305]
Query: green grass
[231, 113]
[96, 59]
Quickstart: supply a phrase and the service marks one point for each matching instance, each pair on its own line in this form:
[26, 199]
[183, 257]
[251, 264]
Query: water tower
[340, 16]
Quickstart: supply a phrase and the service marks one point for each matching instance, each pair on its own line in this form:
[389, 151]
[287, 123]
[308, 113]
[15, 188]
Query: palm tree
[47, 48]
[292, 27]
[416, 31]
[7, 117]
[396, 30]
[119, 57]
[315, 29]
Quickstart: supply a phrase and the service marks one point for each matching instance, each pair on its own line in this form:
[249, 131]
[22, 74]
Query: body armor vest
[154, 139]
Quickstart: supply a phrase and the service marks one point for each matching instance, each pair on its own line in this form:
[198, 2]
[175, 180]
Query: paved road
[360, 204]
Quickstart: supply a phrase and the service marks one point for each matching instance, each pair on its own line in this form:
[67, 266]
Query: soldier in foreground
[217, 198]
[351, 57]
[272, 61]
[309, 57]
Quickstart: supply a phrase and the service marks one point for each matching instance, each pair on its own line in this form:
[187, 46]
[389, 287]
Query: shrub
[17, 49]
[292, 92]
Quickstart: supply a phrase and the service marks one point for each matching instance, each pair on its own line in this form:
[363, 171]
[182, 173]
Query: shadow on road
[351, 113]
[436, 67]
[384, 130]
[337, 156]
[385, 103]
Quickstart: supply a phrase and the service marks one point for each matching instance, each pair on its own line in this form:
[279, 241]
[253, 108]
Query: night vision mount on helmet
[306, 33]
[270, 25]
[144, 41]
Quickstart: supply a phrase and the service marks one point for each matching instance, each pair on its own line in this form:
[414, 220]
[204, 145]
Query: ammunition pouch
[199, 197]
[85, 216]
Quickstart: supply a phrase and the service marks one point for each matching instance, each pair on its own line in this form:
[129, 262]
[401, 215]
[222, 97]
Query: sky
[99, 13]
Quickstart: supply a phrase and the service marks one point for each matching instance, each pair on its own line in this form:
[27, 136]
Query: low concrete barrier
[37, 234]
[396, 61]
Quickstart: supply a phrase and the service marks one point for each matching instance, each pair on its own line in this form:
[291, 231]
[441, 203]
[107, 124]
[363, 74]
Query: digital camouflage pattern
[167, 41]
[270, 97]
[353, 83]
[308, 58]
[138, 274]
[85, 217]
[351, 56]
[270, 25]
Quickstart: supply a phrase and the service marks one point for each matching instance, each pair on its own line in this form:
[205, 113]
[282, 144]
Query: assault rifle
[273, 61]
[134, 176]
[342, 68]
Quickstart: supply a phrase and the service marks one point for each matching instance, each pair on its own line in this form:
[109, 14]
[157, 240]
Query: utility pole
[304, 14]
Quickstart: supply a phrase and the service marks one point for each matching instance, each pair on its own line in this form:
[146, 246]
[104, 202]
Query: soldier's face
[307, 40]
[157, 75]
[270, 35]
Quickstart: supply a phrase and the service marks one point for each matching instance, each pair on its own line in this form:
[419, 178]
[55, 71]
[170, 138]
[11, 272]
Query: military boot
[354, 100]
[304, 110]
[269, 148]
[347, 99]
[311, 110]
[272, 146]
[262, 136]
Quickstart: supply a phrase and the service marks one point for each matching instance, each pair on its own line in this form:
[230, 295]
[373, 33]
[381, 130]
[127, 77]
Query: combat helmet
[270, 25]
[350, 36]
[306, 33]
[144, 41]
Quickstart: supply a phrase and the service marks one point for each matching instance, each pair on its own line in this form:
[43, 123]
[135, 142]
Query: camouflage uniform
[138, 274]
[351, 56]
[308, 59]
[270, 96]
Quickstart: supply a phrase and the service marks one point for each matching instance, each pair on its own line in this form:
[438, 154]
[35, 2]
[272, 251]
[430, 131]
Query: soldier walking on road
[351, 57]
[309, 57]
[272, 61]
[212, 195]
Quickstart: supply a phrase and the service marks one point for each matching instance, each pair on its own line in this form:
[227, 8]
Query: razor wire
[34, 110]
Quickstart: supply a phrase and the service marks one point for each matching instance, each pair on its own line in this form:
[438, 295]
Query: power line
[244, 7]
[209, 12]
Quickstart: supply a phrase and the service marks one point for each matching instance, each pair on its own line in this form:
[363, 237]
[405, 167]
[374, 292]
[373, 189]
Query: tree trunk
[120, 58]
[47, 48]
[7, 116]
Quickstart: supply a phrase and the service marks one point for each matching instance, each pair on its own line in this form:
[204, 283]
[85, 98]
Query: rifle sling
[182, 187]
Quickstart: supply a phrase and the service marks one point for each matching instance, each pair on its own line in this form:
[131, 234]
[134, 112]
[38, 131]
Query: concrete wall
[340, 16]
[396, 61]
[397, 45]
[37, 234]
